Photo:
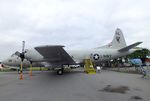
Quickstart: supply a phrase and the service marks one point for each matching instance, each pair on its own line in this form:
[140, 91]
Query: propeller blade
[23, 46]
[17, 53]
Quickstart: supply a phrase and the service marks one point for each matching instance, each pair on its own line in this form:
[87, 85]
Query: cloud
[73, 23]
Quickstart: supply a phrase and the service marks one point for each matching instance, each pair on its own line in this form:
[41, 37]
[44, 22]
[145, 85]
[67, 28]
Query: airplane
[55, 56]
[13, 62]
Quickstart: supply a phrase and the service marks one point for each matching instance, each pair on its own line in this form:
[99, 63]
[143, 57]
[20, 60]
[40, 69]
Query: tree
[139, 54]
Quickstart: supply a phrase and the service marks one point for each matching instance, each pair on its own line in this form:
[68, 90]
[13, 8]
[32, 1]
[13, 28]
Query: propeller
[22, 54]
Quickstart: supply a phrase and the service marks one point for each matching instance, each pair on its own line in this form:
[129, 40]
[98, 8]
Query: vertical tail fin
[117, 42]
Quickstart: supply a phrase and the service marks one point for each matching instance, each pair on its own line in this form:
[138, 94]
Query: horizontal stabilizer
[129, 47]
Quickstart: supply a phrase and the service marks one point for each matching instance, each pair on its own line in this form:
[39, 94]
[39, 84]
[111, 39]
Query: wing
[55, 54]
[129, 47]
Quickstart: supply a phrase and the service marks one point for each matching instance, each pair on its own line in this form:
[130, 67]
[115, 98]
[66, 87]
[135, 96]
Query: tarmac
[74, 86]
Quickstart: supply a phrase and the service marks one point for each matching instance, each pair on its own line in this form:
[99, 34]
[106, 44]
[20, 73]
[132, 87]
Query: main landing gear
[60, 71]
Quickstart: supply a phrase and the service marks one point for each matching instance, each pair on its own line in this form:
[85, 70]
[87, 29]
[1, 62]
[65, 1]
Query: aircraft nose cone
[1, 65]
[4, 62]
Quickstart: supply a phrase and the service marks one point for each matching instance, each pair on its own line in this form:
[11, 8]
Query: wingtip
[139, 42]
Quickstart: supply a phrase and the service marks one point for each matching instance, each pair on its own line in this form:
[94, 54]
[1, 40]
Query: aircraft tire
[60, 72]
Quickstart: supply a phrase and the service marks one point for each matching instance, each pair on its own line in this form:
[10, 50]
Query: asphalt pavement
[74, 86]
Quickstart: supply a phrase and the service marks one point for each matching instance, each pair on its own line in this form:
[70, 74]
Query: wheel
[144, 74]
[60, 72]
[19, 71]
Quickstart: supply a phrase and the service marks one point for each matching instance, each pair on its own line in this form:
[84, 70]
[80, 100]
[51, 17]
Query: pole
[21, 75]
[30, 69]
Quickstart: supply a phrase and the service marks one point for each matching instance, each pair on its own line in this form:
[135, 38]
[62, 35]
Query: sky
[72, 23]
